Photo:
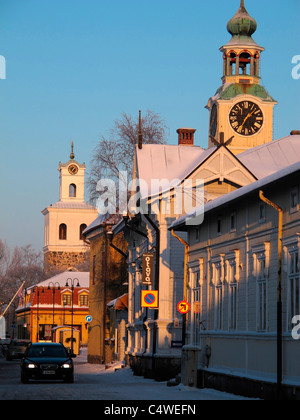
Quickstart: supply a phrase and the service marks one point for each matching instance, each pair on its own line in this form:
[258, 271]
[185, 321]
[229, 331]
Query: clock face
[213, 121]
[246, 118]
[73, 169]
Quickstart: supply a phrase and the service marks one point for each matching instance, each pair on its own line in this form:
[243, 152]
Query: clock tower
[241, 107]
[65, 220]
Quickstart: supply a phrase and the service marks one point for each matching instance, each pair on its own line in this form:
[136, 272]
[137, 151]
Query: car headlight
[31, 366]
[66, 366]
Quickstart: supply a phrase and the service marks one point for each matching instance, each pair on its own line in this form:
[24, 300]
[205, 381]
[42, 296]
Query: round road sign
[183, 307]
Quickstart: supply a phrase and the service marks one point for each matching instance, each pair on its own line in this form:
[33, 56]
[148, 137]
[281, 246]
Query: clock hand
[249, 115]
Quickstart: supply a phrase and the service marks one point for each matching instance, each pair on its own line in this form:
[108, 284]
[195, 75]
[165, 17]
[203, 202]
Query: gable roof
[168, 164]
[239, 194]
[269, 158]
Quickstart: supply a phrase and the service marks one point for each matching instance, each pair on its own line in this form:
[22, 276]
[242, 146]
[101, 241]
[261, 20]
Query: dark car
[16, 349]
[47, 361]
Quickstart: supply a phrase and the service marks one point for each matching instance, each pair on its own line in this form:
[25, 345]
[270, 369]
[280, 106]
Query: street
[93, 382]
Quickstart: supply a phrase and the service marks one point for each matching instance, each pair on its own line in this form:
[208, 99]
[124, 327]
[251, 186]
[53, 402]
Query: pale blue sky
[73, 66]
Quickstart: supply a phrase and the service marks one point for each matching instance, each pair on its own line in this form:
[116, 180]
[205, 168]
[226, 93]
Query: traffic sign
[149, 299]
[183, 307]
[88, 318]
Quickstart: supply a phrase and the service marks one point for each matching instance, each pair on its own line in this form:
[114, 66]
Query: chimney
[186, 136]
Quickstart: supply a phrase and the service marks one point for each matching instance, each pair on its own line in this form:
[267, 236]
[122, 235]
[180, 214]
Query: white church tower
[64, 246]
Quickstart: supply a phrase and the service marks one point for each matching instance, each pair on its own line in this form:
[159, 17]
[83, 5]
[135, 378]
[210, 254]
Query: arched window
[244, 62]
[82, 228]
[62, 231]
[72, 190]
[232, 68]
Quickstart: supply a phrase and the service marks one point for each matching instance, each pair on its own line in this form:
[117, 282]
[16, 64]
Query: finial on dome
[72, 156]
[242, 24]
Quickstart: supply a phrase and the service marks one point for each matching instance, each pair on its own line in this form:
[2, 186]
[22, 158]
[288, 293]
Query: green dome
[242, 24]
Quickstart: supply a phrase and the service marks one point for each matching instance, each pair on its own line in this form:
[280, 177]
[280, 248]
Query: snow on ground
[123, 385]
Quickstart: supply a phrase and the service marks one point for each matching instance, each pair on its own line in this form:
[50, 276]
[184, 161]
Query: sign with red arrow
[183, 307]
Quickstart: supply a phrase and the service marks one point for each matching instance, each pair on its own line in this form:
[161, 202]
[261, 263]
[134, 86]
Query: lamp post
[53, 290]
[37, 314]
[72, 283]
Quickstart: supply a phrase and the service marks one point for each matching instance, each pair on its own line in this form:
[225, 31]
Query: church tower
[65, 221]
[241, 107]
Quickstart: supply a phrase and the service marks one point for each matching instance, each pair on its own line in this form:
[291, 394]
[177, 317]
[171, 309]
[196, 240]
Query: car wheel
[24, 379]
[69, 380]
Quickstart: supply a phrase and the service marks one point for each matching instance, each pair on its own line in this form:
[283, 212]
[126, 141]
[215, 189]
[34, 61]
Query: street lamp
[72, 283]
[38, 315]
[54, 289]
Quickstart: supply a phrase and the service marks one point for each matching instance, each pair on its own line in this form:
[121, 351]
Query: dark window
[82, 228]
[72, 191]
[219, 226]
[63, 231]
[94, 270]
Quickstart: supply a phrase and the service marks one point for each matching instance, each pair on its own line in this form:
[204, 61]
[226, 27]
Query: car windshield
[47, 351]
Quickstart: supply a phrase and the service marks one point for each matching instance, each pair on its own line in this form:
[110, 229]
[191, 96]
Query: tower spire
[72, 156]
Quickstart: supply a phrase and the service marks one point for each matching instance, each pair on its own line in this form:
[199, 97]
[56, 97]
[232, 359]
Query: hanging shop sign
[148, 269]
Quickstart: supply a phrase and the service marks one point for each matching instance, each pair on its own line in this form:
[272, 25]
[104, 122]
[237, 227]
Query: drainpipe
[184, 281]
[110, 236]
[279, 289]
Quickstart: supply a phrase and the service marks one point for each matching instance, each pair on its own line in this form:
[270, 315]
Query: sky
[74, 66]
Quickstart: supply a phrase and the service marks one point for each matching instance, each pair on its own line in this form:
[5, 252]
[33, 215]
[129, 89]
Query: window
[294, 200]
[62, 231]
[195, 316]
[261, 262]
[293, 274]
[262, 213]
[218, 282]
[261, 295]
[84, 300]
[94, 271]
[219, 226]
[72, 191]
[233, 222]
[233, 302]
[67, 299]
[81, 230]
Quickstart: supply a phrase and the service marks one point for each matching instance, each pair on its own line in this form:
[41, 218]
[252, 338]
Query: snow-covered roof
[61, 279]
[72, 205]
[271, 157]
[180, 223]
[167, 164]
[102, 220]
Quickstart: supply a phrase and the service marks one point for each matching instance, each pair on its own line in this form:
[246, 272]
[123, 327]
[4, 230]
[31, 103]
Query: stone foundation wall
[61, 261]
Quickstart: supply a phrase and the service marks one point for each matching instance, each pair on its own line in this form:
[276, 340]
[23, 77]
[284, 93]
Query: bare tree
[116, 153]
[21, 265]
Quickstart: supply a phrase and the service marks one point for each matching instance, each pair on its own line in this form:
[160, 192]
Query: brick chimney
[186, 136]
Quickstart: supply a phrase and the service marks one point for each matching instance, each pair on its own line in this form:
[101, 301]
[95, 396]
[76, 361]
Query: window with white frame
[232, 277]
[261, 259]
[196, 281]
[294, 200]
[218, 283]
[292, 269]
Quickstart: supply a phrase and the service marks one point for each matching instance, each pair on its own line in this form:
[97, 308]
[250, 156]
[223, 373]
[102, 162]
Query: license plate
[48, 372]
